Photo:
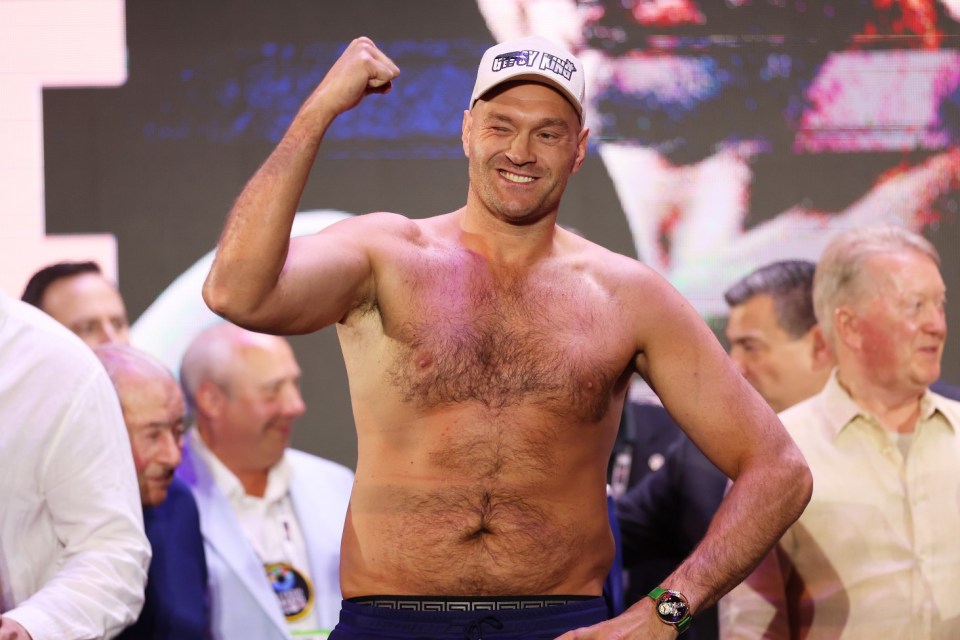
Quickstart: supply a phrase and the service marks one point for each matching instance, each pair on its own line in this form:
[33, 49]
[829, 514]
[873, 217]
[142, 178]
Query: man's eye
[750, 347]
[87, 328]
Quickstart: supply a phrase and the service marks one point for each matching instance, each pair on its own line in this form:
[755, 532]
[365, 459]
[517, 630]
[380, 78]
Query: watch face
[672, 607]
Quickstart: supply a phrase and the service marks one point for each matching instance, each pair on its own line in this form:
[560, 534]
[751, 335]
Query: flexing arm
[259, 279]
[741, 435]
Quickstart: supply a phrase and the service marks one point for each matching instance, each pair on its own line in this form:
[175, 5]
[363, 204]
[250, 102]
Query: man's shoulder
[802, 420]
[40, 338]
[177, 513]
[52, 380]
[949, 406]
[601, 259]
[384, 224]
[179, 497]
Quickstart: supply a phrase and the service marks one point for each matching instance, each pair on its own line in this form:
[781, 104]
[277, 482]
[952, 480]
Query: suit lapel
[221, 530]
[321, 533]
[313, 522]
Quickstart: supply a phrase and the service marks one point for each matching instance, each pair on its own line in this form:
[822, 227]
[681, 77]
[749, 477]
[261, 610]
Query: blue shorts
[466, 618]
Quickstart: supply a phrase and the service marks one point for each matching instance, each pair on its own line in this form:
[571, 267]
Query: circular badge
[293, 590]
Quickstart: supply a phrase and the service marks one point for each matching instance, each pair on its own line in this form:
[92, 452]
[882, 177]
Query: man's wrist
[672, 608]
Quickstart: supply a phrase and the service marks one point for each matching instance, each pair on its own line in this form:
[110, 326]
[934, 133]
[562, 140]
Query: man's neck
[504, 243]
[898, 410]
[254, 482]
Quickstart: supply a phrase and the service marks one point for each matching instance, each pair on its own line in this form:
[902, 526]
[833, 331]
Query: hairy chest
[460, 332]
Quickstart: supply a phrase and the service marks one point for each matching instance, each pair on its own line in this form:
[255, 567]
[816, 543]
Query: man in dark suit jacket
[176, 603]
[176, 598]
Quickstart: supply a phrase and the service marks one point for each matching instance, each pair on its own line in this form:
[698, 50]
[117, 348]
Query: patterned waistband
[466, 603]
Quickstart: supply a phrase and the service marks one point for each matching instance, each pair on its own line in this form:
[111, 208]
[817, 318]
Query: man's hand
[360, 70]
[11, 630]
[638, 622]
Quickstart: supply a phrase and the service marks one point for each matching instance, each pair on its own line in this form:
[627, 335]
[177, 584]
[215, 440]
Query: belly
[472, 539]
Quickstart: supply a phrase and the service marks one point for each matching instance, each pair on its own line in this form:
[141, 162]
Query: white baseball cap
[533, 58]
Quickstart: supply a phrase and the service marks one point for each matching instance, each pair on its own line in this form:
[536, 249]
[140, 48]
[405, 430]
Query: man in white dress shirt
[271, 517]
[73, 554]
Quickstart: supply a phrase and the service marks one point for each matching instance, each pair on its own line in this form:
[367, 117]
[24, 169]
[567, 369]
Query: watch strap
[657, 592]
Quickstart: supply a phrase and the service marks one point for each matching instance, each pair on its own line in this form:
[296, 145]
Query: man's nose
[170, 452]
[107, 333]
[293, 404]
[935, 321]
[520, 151]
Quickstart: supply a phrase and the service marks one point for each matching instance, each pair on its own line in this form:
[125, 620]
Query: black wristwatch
[672, 608]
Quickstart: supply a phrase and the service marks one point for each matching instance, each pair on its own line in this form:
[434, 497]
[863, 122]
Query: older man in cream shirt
[876, 554]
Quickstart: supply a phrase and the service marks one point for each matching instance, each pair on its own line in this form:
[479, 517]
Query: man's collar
[842, 409]
[278, 478]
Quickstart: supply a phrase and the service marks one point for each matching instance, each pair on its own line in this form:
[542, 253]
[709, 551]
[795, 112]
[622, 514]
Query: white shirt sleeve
[73, 554]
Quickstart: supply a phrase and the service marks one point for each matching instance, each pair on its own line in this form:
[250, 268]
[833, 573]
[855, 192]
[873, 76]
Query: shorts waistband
[466, 603]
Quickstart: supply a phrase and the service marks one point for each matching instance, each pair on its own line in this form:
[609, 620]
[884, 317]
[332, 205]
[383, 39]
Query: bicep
[683, 361]
[326, 275]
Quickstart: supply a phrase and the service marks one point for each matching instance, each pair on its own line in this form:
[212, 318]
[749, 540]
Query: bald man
[271, 516]
[153, 410]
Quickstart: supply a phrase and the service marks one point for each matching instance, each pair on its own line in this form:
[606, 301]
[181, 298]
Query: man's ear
[581, 149]
[465, 130]
[821, 355]
[210, 399]
[846, 327]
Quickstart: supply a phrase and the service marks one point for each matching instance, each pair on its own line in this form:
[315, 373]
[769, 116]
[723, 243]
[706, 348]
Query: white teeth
[512, 177]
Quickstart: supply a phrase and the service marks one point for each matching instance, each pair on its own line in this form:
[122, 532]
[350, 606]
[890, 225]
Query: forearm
[252, 282]
[763, 502]
[255, 241]
[95, 595]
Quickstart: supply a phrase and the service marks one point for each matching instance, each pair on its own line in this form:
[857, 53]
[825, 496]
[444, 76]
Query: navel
[478, 534]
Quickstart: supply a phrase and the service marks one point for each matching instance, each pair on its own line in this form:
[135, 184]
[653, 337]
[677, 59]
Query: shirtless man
[489, 352]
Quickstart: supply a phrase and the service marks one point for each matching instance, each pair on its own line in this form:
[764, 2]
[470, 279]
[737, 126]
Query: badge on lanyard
[293, 589]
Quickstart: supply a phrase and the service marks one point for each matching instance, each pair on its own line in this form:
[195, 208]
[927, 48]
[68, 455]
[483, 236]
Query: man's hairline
[73, 276]
[776, 299]
[505, 85]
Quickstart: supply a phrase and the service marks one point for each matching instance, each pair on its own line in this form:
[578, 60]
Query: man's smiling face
[523, 142]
